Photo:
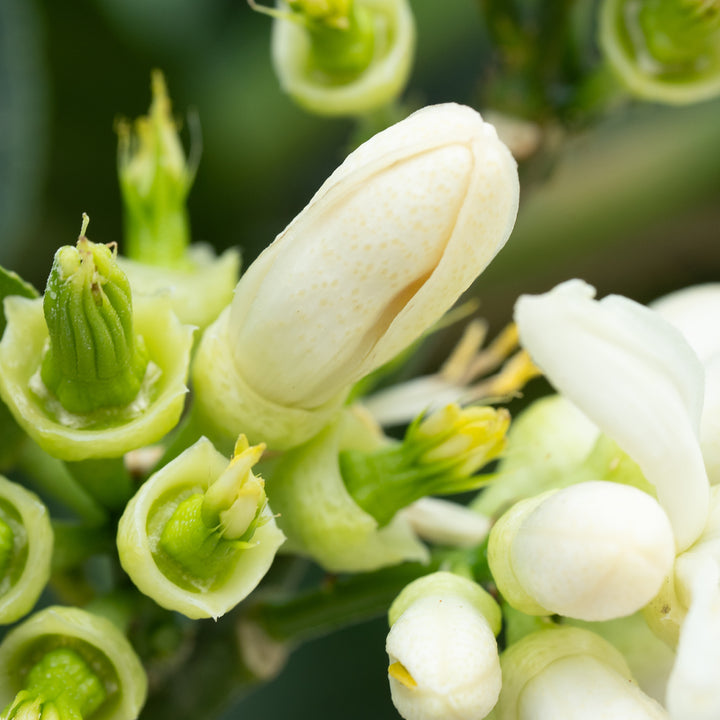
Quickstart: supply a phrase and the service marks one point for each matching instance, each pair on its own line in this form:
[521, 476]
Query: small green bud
[155, 179]
[94, 360]
[664, 50]
[438, 456]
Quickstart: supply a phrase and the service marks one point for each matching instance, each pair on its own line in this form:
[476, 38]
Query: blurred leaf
[22, 120]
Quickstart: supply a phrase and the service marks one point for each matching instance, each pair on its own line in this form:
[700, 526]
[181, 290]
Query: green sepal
[12, 284]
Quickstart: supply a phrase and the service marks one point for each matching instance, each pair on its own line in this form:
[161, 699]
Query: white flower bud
[593, 551]
[385, 247]
[450, 655]
[571, 674]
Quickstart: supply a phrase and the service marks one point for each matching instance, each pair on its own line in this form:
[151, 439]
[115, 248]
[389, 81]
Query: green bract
[105, 433]
[146, 551]
[198, 289]
[26, 544]
[100, 645]
[347, 71]
[319, 515]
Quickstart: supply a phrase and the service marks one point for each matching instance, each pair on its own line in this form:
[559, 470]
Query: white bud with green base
[102, 375]
[441, 646]
[572, 674]
[199, 536]
[68, 664]
[593, 551]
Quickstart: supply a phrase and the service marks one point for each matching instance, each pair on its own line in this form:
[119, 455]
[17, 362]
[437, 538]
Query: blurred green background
[628, 199]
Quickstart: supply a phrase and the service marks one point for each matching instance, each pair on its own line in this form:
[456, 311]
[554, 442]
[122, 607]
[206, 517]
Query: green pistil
[61, 686]
[201, 552]
[94, 360]
[343, 53]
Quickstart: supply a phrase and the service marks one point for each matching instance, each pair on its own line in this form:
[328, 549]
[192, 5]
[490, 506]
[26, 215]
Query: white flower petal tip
[694, 312]
[593, 551]
[443, 661]
[446, 523]
[692, 692]
[381, 252]
[634, 376]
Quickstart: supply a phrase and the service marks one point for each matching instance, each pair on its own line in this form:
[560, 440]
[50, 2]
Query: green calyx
[61, 686]
[207, 529]
[155, 179]
[94, 360]
[438, 456]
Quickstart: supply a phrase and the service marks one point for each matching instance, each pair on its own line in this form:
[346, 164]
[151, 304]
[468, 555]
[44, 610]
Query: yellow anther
[400, 673]
[455, 368]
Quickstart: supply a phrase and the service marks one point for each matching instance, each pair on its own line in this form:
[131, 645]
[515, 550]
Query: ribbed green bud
[94, 360]
[155, 179]
[438, 456]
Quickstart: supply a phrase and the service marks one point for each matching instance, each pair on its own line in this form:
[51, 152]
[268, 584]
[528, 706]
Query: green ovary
[62, 676]
[201, 554]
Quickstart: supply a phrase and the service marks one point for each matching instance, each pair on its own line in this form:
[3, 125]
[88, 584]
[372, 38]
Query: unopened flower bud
[385, 247]
[443, 655]
[593, 551]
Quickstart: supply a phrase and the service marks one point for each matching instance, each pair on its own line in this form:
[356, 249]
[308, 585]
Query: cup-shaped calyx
[593, 551]
[572, 674]
[85, 371]
[636, 378]
[385, 247]
[441, 646]
[438, 456]
[343, 57]
[321, 518]
[199, 536]
[26, 543]
[68, 664]
[664, 50]
[155, 179]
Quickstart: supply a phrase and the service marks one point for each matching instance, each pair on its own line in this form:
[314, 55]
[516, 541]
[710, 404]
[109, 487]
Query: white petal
[692, 692]
[636, 377]
[710, 425]
[694, 311]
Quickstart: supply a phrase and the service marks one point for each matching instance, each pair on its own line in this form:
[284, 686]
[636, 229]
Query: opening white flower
[636, 377]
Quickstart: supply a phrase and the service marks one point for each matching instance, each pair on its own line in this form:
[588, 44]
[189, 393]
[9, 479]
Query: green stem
[75, 543]
[106, 480]
[159, 239]
[50, 476]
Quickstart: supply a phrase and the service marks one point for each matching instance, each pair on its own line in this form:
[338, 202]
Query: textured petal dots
[384, 248]
[636, 377]
[450, 654]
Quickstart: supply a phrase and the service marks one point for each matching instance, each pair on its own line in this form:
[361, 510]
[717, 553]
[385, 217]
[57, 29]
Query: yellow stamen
[516, 372]
[400, 673]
